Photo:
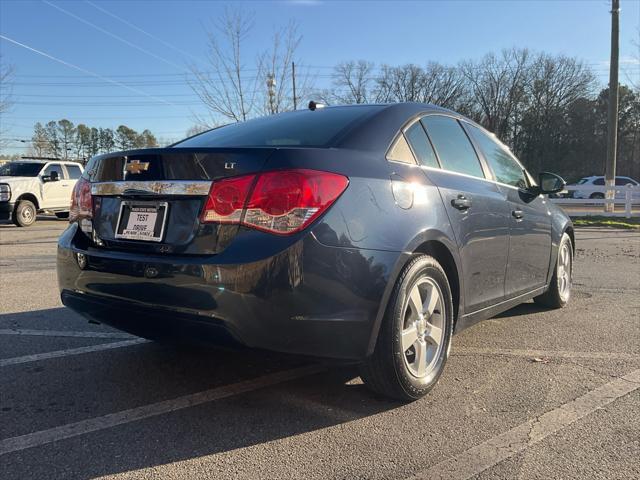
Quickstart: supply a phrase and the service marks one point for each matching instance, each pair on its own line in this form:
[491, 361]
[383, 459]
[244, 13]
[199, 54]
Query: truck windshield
[20, 169]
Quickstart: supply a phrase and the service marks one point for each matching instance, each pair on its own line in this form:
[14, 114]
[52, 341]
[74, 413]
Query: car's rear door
[71, 176]
[529, 217]
[476, 209]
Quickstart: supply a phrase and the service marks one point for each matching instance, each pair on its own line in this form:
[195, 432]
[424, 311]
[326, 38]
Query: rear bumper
[306, 299]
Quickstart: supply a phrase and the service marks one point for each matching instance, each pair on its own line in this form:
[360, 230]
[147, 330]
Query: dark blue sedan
[365, 233]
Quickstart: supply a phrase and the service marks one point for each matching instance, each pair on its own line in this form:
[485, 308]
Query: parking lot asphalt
[529, 394]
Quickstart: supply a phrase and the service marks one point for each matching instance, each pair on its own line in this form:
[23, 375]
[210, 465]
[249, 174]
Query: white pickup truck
[28, 187]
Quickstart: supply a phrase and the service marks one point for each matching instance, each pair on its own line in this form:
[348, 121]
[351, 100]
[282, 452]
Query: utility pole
[293, 77]
[612, 124]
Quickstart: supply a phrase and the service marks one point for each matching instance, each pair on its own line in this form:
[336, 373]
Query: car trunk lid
[164, 191]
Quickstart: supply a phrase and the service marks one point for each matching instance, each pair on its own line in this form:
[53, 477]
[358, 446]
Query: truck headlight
[5, 192]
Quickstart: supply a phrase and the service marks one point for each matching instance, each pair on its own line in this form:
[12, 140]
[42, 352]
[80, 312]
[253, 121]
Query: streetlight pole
[612, 124]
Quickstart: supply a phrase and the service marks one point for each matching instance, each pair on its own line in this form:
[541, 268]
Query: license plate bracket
[143, 221]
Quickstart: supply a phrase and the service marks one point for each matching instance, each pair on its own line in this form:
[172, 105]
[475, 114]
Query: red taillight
[226, 200]
[283, 201]
[81, 201]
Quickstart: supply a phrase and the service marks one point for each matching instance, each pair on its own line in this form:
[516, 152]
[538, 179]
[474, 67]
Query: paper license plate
[142, 221]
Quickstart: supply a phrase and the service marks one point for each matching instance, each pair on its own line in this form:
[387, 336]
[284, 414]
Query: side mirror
[550, 183]
[53, 177]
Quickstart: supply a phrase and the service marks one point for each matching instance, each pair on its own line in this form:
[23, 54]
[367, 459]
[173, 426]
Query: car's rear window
[303, 128]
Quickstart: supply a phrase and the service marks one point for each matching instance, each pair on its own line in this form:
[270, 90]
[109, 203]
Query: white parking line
[63, 333]
[512, 352]
[43, 437]
[501, 447]
[71, 351]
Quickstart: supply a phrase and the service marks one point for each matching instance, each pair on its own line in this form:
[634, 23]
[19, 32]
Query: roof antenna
[313, 105]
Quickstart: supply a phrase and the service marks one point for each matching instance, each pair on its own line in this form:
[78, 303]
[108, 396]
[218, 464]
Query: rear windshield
[303, 128]
[20, 169]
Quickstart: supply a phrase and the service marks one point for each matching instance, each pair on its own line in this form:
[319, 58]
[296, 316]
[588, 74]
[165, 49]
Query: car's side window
[53, 167]
[452, 145]
[622, 181]
[73, 171]
[421, 145]
[400, 151]
[598, 181]
[504, 166]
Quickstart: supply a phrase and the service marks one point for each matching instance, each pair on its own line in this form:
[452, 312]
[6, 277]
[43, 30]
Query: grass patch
[611, 222]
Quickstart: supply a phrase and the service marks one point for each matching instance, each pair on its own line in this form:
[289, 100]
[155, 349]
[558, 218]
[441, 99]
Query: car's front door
[476, 210]
[54, 193]
[530, 219]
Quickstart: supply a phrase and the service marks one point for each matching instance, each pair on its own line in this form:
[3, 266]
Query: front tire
[415, 335]
[559, 292]
[24, 215]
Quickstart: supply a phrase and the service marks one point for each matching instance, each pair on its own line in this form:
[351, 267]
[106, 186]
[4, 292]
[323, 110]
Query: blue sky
[382, 32]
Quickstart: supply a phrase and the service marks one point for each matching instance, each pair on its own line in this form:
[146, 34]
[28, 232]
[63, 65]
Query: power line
[113, 35]
[135, 27]
[83, 70]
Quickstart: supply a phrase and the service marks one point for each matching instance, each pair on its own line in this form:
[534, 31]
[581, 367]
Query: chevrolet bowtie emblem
[136, 166]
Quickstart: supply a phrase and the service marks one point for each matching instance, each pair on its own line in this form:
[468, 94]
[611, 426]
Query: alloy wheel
[564, 271]
[423, 327]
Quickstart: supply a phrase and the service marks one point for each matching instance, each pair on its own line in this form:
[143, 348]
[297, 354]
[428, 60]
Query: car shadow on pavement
[47, 394]
[523, 309]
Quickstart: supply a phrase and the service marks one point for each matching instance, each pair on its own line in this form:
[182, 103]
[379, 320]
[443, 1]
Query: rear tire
[559, 292]
[415, 335]
[62, 214]
[597, 195]
[24, 214]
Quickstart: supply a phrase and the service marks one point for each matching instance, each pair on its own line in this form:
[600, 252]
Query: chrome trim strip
[153, 187]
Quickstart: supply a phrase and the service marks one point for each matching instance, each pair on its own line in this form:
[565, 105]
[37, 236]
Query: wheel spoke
[421, 358]
[432, 300]
[409, 337]
[415, 301]
[434, 334]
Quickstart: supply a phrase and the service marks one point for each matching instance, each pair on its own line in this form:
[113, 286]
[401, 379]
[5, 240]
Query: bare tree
[444, 86]
[555, 81]
[275, 72]
[196, 129]
[353, 83]
[400, 84]
[223, 88]
[553, 84]
[497, 83]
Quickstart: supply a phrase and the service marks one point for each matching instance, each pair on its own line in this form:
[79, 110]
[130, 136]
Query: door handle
[461, 203]
[517, 214]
